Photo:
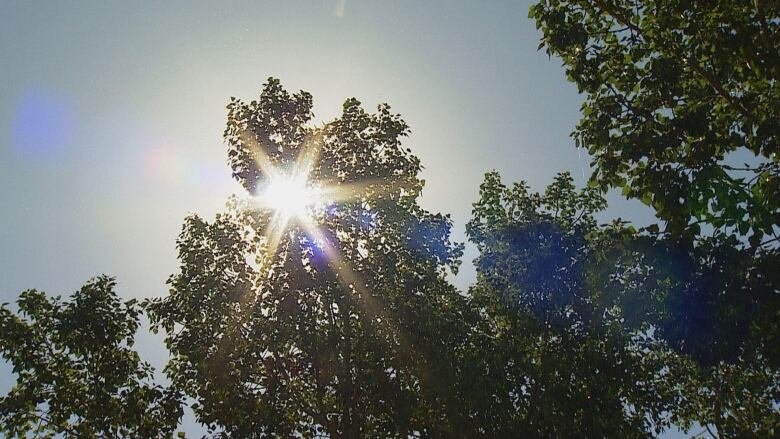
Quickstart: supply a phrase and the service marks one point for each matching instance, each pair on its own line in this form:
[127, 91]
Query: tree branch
[622, 19]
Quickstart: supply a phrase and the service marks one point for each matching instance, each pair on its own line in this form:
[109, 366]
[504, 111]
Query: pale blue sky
[111, 117]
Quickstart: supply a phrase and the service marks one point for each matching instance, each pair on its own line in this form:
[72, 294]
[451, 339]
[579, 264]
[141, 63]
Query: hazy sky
[111, 117]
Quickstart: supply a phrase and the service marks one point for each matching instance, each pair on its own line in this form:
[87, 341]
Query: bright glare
[290, 195]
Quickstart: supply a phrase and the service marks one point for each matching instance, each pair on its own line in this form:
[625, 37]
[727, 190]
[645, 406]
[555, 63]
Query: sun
[290, 195]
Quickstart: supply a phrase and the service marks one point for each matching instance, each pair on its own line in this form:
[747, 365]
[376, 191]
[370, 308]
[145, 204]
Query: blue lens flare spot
[42, 126]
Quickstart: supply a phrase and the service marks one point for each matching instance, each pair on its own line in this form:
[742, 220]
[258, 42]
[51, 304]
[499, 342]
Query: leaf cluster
[677, 93]
[77, 374]
[653, 332]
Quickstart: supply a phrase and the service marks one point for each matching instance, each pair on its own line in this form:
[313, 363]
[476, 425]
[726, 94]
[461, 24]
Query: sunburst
[292, 194]
[295, 197]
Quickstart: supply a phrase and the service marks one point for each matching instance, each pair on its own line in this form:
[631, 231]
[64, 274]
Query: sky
[112, 113]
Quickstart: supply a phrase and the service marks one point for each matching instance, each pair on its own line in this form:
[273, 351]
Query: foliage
[577, 315]
[77, 375]
[345, 326]
[738, 400]
[723, 302]
[720, 315]
[677, 94]
[558, 360]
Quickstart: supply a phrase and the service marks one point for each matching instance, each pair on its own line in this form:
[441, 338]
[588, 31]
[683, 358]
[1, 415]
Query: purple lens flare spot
[42, 126]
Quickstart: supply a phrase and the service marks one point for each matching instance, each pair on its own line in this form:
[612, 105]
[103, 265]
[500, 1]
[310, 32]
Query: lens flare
[302, 195]
[290, 195]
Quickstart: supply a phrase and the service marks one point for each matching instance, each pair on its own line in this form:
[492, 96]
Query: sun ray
[347, 192]
[309, 152]
[262, 160]
[351, 282]
[291, 196]
[273, 233]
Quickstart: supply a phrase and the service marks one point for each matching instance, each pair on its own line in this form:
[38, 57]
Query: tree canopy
[680, 112]
[338, 324]
[76, 372]
[577, 315]
[681, 105]
[554, 348]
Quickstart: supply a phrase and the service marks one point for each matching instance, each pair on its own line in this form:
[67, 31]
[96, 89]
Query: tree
[557, 355]
[578, 315]
[77, 375]
[677, 94]
[719, 315]
[338, 321]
